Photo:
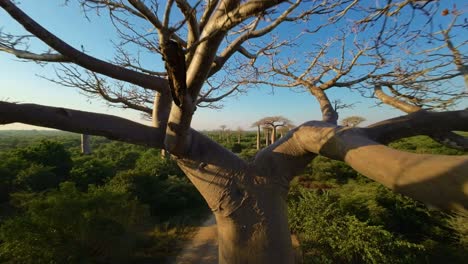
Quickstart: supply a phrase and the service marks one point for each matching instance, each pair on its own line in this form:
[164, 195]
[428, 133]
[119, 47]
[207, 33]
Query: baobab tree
[222, 132]
[267, 134]
[352, 121]
[273, 122]
[197, 41]
[85, 144]
[257, 125]
[239, 134]
[270, 123]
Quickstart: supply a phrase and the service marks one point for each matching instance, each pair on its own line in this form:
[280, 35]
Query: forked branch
[438, 180]
[73, 55]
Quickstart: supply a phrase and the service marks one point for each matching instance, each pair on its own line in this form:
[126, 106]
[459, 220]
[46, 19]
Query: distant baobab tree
[239, 134]
[258, 126]
[273, 122]
[221, 132]
[352, 121]
[267, 134]
[85, 144]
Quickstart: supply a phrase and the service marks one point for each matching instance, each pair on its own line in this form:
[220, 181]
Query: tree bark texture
[85, 144]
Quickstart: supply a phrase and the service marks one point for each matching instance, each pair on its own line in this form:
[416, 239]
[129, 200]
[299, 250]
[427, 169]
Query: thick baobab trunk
[257, 232]
[85, 144]
[258, 137]
[267, 137]
[248, 200]
[273, 134]
[160, 114]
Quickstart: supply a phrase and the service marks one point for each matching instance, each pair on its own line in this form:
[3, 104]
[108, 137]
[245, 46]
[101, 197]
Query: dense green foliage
[122, 204]
[342, 217]
[69, 226]
[127, 204]
[330, 234]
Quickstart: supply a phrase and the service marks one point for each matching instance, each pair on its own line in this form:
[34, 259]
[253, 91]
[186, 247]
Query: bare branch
[80, 58]
[191, 17]
[386, 99]
[44, 57]
[109, 126]
[418, 123]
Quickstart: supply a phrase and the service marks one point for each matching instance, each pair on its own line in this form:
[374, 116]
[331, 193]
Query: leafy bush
[69, 226]
[236, 148]
[424, 144]
[89, 170]
[37, 178]
[325, 169]
[151, 163]
[330, 235]
[124, 156]
[248, 154]
[38, 167]
[9, 168]
[167, 196]
[48, 154]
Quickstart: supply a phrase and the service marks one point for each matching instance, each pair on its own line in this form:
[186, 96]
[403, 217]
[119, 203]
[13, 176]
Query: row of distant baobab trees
[275, 127]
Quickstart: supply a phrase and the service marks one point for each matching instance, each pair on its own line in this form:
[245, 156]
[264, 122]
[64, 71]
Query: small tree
[352, 121]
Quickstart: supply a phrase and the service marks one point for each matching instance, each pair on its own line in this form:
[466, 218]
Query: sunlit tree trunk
[273, 134]
[258, 137]
[85, 144]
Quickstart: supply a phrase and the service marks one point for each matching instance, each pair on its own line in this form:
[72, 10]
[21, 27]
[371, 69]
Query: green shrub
[424, 144]
[236, 148]
[167, 196]
[10, 165]
[69, 226]
[325, 169]
[37, 178]
[248, 154]
[329, 235]
[90, 170]
[48, 154]
[151, 163]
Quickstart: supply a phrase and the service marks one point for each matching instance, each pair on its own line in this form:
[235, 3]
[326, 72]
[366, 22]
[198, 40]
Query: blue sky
[19, 81]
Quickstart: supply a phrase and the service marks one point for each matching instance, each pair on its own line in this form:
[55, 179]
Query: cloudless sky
[20, 81]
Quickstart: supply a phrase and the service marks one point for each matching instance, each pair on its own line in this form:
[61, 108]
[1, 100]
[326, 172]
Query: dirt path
[203, 248]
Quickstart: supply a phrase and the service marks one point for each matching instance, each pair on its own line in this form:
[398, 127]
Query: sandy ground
[203, 248]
